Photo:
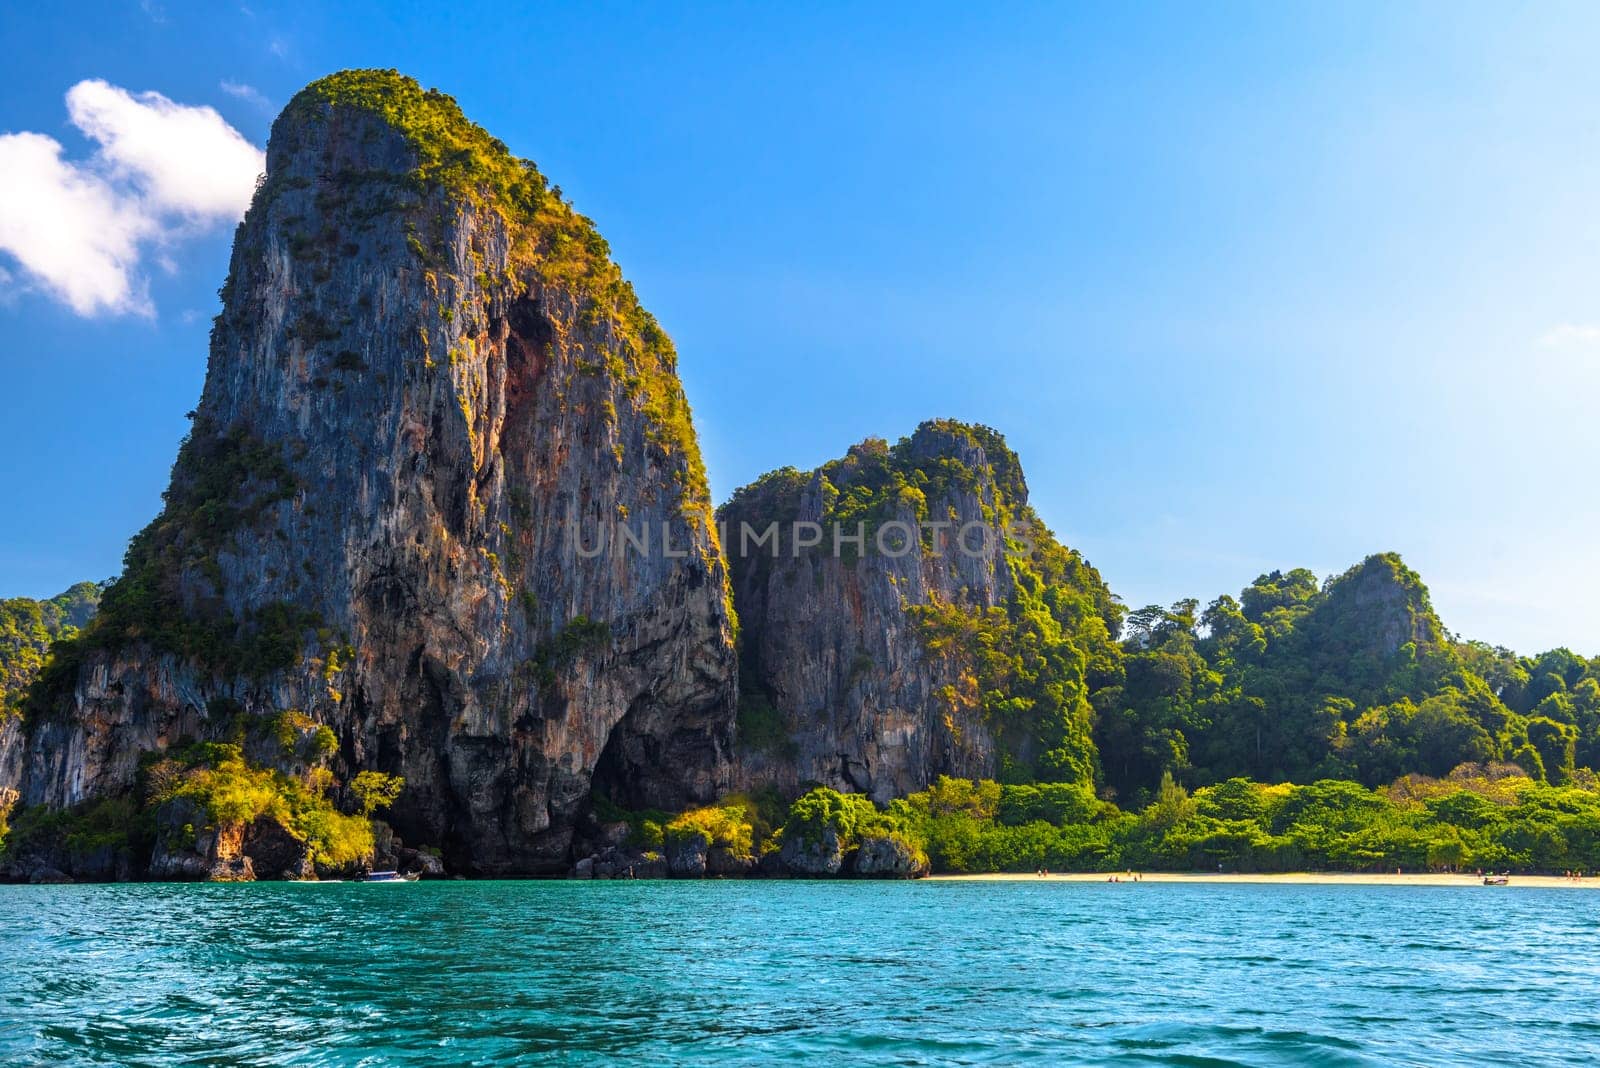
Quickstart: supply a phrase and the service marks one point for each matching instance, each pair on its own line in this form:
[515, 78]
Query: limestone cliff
[970, 649]
[426, 373]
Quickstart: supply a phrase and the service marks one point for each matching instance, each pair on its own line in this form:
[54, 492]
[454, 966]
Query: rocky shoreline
[695, 857]
[188, 848]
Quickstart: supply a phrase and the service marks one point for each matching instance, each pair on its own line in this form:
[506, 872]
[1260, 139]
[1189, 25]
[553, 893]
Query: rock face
[188, 850]
[52, 862]
[869, 670]
[884, 856]
[686, 854]
[822, 855]
[11, 751]
[720, 860]
[276, 853]
[422, 862]
[428, 389]
[622, 862]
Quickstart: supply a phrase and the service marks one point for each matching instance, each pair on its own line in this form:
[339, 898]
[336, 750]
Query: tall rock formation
[970, 648]
[427, 380]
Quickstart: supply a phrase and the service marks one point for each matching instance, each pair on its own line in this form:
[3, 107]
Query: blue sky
[1247, 286]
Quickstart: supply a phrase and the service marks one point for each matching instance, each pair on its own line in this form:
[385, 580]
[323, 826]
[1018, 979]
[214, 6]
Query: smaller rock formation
[821, 854]
[422, 862]
[905, 614]
[687, 854]
[189, 848]
[625, 862]
[720, 860]
[884, 856]
[276, 852]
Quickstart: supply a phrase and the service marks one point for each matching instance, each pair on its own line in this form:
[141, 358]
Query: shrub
[116, 823]
[726, 826]
[375, 789]
[1057, 803]
[232, 791]
[851, 816]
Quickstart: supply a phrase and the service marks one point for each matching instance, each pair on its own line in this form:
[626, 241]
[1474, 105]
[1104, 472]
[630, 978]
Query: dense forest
[1353, 678]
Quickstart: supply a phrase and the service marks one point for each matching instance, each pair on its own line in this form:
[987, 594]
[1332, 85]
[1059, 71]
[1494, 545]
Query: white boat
[1496, 880]
[392, 877]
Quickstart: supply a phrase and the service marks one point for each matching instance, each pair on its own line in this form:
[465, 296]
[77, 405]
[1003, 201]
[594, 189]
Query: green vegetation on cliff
[223, 482]
[29, 628]
[1029, 665]
[729, 826]
[851, 817]
[102, 838]
[232, 790]
[749, 828]
[1027, 668]
[1296, 679]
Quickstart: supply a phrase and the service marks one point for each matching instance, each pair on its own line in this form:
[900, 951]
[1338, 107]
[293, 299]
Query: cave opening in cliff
[660, 757]
[619, 779]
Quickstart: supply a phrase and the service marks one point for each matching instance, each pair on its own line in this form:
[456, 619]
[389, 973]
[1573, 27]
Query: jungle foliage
[1352, 678]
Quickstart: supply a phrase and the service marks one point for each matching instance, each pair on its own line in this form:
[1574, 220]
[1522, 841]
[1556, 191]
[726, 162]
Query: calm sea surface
[756, 972]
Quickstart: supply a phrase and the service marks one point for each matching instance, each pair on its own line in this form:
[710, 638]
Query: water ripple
[751, 973]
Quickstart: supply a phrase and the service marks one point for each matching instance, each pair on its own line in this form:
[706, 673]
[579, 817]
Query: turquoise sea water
[757, 972]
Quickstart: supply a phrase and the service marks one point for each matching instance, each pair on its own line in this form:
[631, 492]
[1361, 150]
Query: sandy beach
[1557, 882]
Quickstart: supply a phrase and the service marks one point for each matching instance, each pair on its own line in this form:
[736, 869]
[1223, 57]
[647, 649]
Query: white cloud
[69, 228]
[1572, 336]
[248, 93]
[186, 159]
[162, 171]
